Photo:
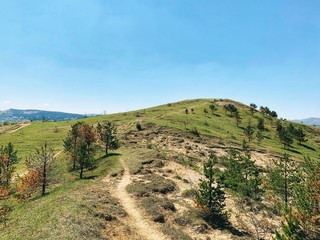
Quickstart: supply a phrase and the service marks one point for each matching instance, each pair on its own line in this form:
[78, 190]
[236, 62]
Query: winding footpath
[146, 229]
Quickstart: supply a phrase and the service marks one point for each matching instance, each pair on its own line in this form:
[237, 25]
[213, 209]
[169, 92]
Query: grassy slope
[65, 212]
[50, 213]
[219, 126]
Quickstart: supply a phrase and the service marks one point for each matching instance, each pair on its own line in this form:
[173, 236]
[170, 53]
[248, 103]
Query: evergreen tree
[260, 124]
[306, 197]
[71, 142]
[259, 136]
[248, 132]
[108, 135]
[282, 178]
[211, 197]
[80, 144]
[242, 175]
[213, 108]
[231, 109]
[285, 138]
[237, 117]
[300, 136]
[8, 158]
[253, 108]
[274, 114]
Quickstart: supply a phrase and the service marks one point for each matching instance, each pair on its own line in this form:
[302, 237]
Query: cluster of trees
[81, 144]
[231, 109]
[242, 176]
[295, 186]
[297, 134]
[267, 112]
[233, 112]
[263, 110]
[287, 134]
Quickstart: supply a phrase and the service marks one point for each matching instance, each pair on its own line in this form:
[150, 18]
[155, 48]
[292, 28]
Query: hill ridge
[22, 115]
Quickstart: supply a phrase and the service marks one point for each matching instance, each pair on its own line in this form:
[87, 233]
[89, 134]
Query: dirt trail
[146, 229]
[21, 126]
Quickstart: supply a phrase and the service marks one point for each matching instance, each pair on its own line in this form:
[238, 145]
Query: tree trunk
[74, 164]
[81, 172]
[44, 181]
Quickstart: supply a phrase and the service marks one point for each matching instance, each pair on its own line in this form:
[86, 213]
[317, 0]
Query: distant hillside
[309, 121]
[16, 115]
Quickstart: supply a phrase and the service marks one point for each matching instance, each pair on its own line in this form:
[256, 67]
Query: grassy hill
[168, 152]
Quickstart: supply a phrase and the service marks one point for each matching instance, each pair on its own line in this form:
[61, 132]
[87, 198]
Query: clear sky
[90, 56]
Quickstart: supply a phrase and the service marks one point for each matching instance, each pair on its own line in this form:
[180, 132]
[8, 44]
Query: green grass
[65, 212]
[219, 127]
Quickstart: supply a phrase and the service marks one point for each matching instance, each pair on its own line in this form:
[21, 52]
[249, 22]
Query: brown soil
[136, 220]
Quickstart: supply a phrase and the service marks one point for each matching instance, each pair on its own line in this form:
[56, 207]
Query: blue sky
[90, 56]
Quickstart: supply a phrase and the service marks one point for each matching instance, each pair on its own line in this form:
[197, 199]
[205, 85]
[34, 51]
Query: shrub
[139, 127]
[157, 184]
[195, 132]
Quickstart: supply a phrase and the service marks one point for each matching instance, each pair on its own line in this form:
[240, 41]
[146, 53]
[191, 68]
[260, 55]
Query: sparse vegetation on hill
[165, 162]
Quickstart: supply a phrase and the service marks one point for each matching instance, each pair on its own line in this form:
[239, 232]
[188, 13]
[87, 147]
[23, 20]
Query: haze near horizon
[96, 56]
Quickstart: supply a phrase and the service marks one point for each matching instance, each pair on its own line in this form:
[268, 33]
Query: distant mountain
[16, 115]
[309, 121]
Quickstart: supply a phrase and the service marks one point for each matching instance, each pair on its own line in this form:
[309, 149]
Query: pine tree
[300, 136]
[259, 136]
[8, 158]
[80, 144]
[306, 197]
[242, 175]
[108, 135]
[248, 132]
[260, 124]
[71, 142]
[291, 230]
[213, 108]
[253, 108]
[210, 196]
[282, 178]
[237, 117]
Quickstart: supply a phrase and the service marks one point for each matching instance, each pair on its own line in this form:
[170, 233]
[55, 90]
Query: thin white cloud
[46, 104]
[7, 102]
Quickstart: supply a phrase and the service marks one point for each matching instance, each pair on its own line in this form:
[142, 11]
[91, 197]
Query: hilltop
[16, 115]
[145, 189]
